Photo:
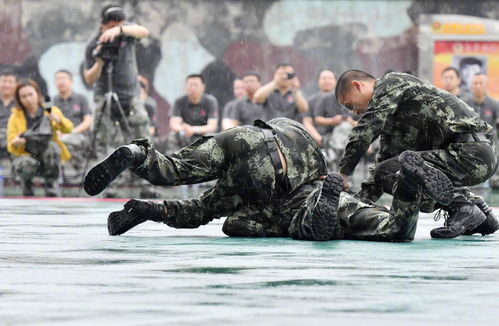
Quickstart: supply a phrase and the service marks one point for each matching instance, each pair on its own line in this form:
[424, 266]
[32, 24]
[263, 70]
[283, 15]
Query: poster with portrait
[469, 58]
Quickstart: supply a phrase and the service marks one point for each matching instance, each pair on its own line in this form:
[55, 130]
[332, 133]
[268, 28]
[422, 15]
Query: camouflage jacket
[407, 113]
[305, 161]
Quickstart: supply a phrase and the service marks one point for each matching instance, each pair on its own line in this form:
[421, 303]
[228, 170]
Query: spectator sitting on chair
[32, 136]
[194, 114]
[74, 106]
[282, 96]
[326, 84]
[239, 90]
[244, 111]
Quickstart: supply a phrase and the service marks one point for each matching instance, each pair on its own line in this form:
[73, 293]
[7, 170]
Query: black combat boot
[102, 174]
[463, 216]
[325, 224]
[134, 213]
[432, 181]
[50, 188]
[27, 188]
[491, 223]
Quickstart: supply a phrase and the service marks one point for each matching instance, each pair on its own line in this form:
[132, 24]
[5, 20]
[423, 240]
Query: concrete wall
[222, 38]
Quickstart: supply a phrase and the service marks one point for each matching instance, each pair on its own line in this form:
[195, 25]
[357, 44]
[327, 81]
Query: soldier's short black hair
[344, 83]
[251, 73]
[195, 76]
[112, 13]
[64, 71]
[451, 69]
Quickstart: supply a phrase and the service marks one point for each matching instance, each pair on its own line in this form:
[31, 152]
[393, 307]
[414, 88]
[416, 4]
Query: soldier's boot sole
[468, 218]
[122, 221]
[434, 182]
[325, 225]
[102, 174]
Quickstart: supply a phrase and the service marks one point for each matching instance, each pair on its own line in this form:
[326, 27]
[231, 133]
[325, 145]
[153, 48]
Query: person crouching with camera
[111, 67]
[32, 138]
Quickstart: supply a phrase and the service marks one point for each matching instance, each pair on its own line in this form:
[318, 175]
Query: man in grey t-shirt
[486, 106]
[74, 106]
[109, 125]
[239, 91]
[244, 111]
[326, 83]
[282, 96]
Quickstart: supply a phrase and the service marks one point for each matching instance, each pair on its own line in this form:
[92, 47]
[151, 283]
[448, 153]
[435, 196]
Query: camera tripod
[109, 98]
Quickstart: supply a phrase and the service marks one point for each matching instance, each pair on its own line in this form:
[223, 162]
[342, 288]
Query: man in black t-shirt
[194, 114]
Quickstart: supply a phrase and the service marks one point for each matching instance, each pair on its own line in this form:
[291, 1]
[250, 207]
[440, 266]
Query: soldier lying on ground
[448, 135]
[271, 183]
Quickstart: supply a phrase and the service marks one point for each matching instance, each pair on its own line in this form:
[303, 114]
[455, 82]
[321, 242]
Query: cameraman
[115, 44]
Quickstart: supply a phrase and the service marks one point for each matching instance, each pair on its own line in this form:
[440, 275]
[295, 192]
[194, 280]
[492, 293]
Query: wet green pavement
[58, 266]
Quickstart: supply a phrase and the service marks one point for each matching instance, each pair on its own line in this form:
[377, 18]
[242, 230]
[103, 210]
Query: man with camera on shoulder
[112, 52]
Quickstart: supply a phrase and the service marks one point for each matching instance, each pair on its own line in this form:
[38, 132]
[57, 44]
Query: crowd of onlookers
[68, 118]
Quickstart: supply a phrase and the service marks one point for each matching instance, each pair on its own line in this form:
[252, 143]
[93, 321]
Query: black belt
[471, 137]
[281, 179]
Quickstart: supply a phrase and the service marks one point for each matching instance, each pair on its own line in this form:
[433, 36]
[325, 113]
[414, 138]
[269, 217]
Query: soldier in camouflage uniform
[269, 182]
[408, 114]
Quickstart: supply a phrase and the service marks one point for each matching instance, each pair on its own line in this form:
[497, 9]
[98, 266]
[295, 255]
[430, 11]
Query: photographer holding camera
[282, 96]
[32, 138]
[112, 52]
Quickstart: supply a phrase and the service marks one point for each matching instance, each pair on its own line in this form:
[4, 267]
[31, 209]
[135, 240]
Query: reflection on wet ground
[59, 266]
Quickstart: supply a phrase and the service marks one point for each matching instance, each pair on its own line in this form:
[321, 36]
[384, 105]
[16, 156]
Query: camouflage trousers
[112, 132]
[46, 166]
[246, 190]
[361, 220]
[466, 164]
[176, 141]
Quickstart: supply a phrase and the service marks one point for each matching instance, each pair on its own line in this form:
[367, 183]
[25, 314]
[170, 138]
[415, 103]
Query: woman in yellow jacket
[28, 112]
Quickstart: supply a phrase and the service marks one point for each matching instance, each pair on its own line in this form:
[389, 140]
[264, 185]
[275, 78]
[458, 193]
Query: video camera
[109, 51]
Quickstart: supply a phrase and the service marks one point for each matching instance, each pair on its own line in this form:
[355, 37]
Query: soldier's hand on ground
[18, 141]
